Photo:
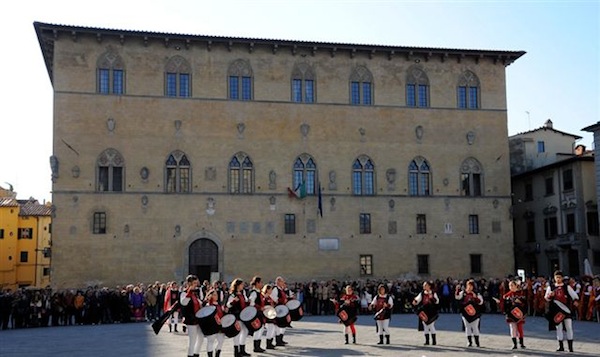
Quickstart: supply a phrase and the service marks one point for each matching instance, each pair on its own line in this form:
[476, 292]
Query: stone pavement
[312, 336]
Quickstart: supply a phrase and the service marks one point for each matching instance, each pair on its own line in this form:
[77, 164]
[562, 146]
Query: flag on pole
[298, 192]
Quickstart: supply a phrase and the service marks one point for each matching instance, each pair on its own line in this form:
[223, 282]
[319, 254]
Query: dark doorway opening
[204, 258]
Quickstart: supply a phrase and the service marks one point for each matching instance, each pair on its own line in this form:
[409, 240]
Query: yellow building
[180, 153]
[25, 240]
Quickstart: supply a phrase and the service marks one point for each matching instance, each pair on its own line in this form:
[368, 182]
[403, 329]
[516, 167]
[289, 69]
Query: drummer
[190, 300]
[279, 295]
[428, 301]
[514, 299]
[471, 303]
[212, 299]
[383, 304]
[350, 302]
[563, 293]
[236, 302]
[267, 289]
[257, 300]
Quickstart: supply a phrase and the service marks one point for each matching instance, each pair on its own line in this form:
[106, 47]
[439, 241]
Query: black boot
[387, 339]
[380, 340]
[243, 351]
[433, 340]
[514, 339]
[476, 340]
[196, 355]
[346, 336]
[170, 328]
[257, 347]
[236, 351]
[176, 328]
[521, 342]
[570, 343]
[426, 340]
[279, 340]
[209, 354]
[218, 353]
[561, 346]
[270, 345]
[470, 339]
[184, 328]
[353, 338]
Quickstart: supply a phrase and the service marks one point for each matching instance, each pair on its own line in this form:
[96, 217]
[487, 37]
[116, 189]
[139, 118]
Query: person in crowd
[470, 306]
[428, 302]
[383, 304]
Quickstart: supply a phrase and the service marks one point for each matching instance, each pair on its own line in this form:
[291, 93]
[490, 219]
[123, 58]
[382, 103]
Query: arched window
[363, 176]
[471, 178]
[178, 77]
[419, 179]
[178, 173]
[361, 86]
[468, 91]
[110, 171]
[305, 175]
[240, 80]
[417, 88]
[241, 174]
[110, 74]
[303, 83]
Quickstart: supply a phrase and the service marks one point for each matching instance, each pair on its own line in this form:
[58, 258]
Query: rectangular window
[366, 93]
[309, 86]
[103, 81]
[366, 265]
[184, 85]
[567, 180]
[46, 272]
[118, 87]
[290, 223]
[570, 223]
[233, 88]
[246, 88]
[550, 227]
[411, 95]
[171, 179]
[297, 90]
[528, 191]
[423, 95]
[117, 179]
[593, 227]
[530, 231]
[103, 178]
[234, 179]
[421, 224]
[365, 223]
[171, 84]
[25, 233]
[423, 264]
[473, 224]
[477, 185]
[473, 97]
[1, 233]
[357, 183]
[184, 180]
[24, 257]
[596, 257]
[476, 264]
[462, 97]
[246, 181]
[424, 188]
[541, 147]
[355, 93]
[99, 225]
[549, 182]
[369, 185]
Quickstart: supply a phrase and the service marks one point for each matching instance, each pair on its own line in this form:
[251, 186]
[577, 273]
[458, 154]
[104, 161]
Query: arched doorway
[204, 258]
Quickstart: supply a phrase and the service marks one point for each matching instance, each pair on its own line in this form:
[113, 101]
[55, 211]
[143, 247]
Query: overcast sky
[558, 78]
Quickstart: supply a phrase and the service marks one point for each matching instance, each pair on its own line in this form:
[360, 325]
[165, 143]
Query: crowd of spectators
[140, 302]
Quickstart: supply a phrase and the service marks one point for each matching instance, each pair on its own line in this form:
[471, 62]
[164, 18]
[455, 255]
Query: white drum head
[282, 310]
[562, 306]
[227, 320]
[270, 312]
[293, 304]
[205, 311]
[248, 313]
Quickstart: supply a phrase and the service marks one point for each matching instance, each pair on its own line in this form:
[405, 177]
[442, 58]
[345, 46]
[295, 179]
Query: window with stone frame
[240, 80]
[99, 223]
[361, 86]
[178, 173]
[110, 175]
[110, 73]
[419, 182]
[363, 176]
[178, 75]
[417, 88]
[468, 91]
[305, 175]
[366, 264]
[471, 173]
[303, 83]
[241, 174]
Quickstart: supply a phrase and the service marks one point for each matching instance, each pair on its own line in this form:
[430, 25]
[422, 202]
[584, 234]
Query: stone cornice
[48, 33]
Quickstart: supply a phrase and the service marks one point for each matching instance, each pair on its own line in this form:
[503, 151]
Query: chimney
[548, 124]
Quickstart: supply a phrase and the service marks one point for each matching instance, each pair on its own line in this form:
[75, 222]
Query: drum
[515, 314]
[296, 311]
[470, 311]
[282, 317]
[270, 314]
[208, 320]
[250, 317]
[558, 312]
[230, 326]
[347, 315]
[428, 313]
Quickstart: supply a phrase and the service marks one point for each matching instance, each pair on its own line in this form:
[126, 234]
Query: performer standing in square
[190, 300]
[560, 296]
[346, 310]
[257, 300]
[427, 302]
[269, 324]
[212, 299]
[470, 308]
[513, 304]
[172, 297]
[382, 304]
[236, 302]
[280, 297]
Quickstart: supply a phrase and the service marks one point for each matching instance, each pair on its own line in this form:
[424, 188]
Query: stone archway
[203, 258]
